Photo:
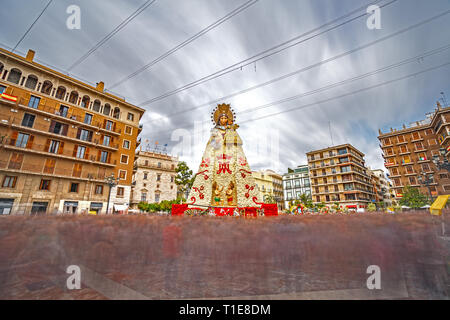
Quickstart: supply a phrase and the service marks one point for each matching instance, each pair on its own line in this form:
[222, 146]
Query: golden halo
[223, 109]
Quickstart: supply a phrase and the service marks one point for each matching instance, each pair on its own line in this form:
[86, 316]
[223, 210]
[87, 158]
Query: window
[144, 196]
[77, 167]
[401, 139]
[16, 161]
[412, 180]
[39, 207]
[120, 191]
[106, 140]
[58, 128]
[73, 187]
[342, 151]
[126, 144]
[44, 185]
[28, 120]
[130, 116]
[81, 152]
[49, 166]
[145, 175]
[96, 106]
[104, 156]
[84, 135]
[425, 167]
[128, 130]
[403, 149]
[88, 118]
[345, 169]
[158, 177]
[159, 166]
[9, 182]
[432, 142]
[85, 102]
[54, 146]
[415, 136]
[14, 76]
[387, 141]
[2, 89]
[124, 159]
[31, 82]
[428, 132]
[443, 176]
[109, 125]
[122, 174]
[172, 179]
[157, 197]
[63, 111]
[22, 140]
[406, 159]
[98, 189]
[419, 145]
[34, 102]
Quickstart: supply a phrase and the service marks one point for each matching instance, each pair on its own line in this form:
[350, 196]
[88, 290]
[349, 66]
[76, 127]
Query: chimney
[30, 55]
[100, 86]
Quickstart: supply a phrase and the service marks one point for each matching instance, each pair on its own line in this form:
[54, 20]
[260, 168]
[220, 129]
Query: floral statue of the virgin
[224, 178]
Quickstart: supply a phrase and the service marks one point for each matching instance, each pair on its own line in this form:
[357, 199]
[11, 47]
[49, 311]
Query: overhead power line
[339, 83]
[350, 93]
[187, 41]
[112, 33]
[409, 28]
[263, 55]
[29, 29]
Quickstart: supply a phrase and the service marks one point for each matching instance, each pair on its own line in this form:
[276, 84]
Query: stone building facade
[154, 178]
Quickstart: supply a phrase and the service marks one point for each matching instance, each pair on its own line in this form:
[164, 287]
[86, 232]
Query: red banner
[178, 209]
[270, 209]
[250, 211]
[223, 211]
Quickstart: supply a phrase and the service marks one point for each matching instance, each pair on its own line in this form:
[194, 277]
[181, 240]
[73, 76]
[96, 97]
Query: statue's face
[223, 120]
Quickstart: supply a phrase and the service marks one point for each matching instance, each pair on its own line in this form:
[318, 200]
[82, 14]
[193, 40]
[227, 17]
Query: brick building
[408, 152]
[60, 138]
[154, 178]
[338, 174]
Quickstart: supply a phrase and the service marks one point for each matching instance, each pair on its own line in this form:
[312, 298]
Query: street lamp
[111, 182]
[426, 180]
[441, 165]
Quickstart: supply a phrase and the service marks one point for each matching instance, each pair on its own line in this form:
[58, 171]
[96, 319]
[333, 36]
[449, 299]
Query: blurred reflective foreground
[286, 257]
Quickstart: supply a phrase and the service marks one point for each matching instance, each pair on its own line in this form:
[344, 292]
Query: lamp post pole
[441, 165]
[427, 180]
[111, 182]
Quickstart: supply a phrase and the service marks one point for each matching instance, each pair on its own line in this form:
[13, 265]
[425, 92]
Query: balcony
[60, 153]
[41, 129]
[72, 117]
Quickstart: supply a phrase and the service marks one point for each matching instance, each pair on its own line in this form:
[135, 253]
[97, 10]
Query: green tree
[184, 177]
[371, 207]
[306, 200]
[413, 198]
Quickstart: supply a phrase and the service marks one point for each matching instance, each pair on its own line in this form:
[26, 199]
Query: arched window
[60, 93]
[116, 113]
[14, 76]
[73, 98]
[85, 102]
[47, 87]
[96, 106]
[107, 109]
[31, 82]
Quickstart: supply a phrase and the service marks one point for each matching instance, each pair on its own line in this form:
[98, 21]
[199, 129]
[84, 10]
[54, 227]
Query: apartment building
[269, 183]
[295, 183]
[338, 174]
[382, 187]
[154, 178]
[60, 138]
[408, 153]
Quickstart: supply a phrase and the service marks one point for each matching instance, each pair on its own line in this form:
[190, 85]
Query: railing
[70, 115]
[46, 128]
[59, 151]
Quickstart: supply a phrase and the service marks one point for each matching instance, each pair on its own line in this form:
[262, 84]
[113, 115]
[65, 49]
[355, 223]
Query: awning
[351, 206]
[120, 207]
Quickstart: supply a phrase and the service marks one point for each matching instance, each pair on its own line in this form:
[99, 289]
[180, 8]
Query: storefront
[95, 207]
[39, 207]
[6, 206]
[70, 207]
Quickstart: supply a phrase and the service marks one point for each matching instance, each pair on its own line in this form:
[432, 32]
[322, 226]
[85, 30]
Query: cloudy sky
[276, 136]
